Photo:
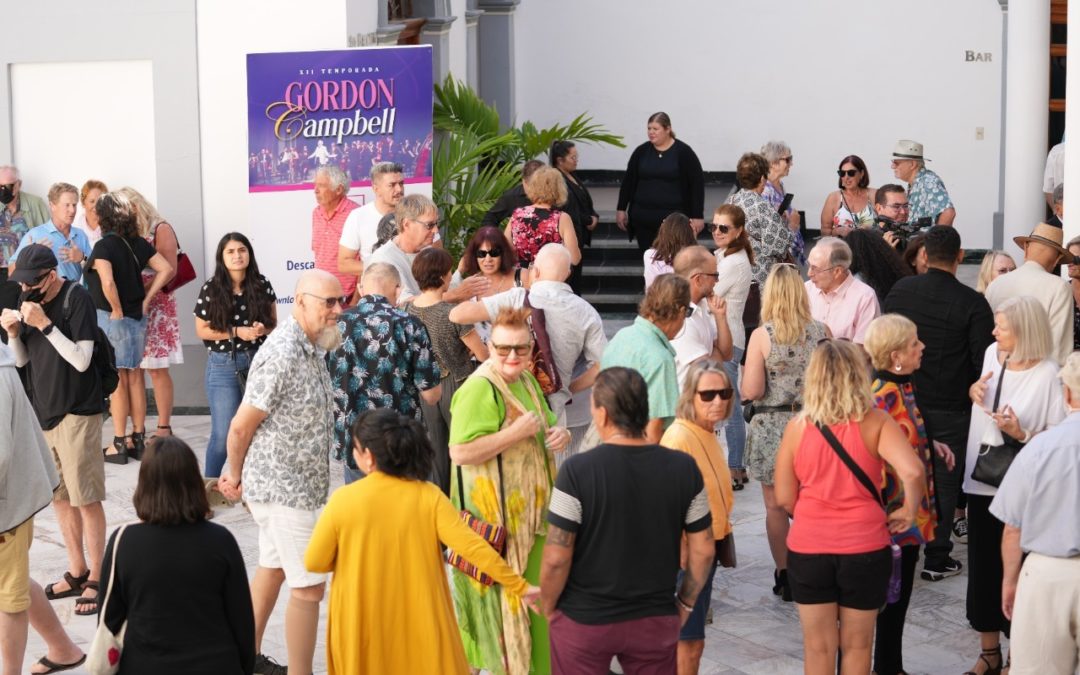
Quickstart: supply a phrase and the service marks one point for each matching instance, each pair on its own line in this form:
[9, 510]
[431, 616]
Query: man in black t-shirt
[65, 391]
[615, 526]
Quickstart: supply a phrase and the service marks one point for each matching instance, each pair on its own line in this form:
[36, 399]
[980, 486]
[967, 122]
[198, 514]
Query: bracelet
[682, 605]
[1026, 437]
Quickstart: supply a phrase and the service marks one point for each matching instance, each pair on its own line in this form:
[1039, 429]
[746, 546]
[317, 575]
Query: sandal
[166, 427]
[75, 586]
[54, 667]
[990, 669]
[138, 445]
[81, 602]
[736, 484]
[120, 456]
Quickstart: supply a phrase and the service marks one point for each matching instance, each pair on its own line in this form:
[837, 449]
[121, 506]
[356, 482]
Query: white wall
[227, 32]
[829, 77]
[113, 139]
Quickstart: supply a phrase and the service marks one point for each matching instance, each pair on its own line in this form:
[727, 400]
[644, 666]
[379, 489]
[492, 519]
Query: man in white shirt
[360, 232]
[705, 334]
[837, 299]
[1042, 253]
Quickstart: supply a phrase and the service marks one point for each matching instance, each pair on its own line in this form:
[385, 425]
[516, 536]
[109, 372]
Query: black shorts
[856, 581]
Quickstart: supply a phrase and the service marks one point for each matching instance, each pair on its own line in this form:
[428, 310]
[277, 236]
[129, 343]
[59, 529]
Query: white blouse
[734, 286]
[1035, 398]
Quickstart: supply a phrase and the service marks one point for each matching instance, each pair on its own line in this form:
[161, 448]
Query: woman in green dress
[502, 436]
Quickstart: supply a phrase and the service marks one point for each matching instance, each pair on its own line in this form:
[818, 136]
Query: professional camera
[904, 231]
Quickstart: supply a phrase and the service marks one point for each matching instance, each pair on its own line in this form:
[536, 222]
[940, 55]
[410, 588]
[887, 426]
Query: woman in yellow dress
[390, 607]
[501, 440]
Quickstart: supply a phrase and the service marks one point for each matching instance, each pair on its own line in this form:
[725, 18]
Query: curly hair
[546, 186]
[877, 263]
[837, 388]
[675, 234]
[494, 238]
[116, 214]
[666, 299]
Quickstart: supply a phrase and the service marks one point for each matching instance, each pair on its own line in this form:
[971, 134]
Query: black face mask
[7, 194]
[32, 295]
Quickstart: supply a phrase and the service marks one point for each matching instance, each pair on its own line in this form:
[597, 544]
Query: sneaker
[264, 665]
[936, 573]
[959, 530]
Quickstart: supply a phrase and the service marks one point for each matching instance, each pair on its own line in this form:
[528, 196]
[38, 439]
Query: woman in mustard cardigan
[705, 401]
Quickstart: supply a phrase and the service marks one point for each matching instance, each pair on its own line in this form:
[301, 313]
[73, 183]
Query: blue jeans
[223, 394]
[735, 425]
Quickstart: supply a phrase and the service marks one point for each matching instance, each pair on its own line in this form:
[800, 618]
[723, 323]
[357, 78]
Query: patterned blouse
[769, 237]
[532, 227]
[927, 195]
[241, 316]
[776, 197]
[895, 394]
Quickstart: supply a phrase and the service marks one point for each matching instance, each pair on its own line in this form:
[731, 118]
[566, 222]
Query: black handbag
[994, 460]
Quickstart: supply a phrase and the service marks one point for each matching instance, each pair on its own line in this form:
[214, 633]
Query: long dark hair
[875, 261]
[400, 444]
[219, 314]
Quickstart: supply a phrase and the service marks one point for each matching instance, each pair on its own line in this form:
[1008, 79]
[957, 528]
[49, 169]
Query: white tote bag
[106, 649]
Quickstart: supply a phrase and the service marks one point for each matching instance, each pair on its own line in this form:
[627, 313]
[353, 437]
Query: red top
[325, 238]
[530, 229]
[834, 512]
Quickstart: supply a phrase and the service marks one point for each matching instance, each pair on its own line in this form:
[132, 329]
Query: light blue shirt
[1041, 492]
[68, 270]
[643, 347]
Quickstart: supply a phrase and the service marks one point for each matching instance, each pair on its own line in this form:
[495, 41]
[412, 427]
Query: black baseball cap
[33, 261]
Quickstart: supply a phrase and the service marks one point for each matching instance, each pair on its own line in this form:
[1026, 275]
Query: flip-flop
[75, 587]
[81, 602]
[57, 667]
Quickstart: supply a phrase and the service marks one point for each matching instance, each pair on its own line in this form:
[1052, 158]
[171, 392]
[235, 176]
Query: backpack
[104, 359]
[543, 364]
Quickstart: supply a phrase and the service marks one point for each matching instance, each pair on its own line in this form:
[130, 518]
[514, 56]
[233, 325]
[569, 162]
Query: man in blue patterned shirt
[384, 361]
[926, 191]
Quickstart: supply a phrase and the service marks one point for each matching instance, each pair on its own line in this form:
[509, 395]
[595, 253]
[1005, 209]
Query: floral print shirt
[927, 195]
[769, 237]
[530, 229]
[385, 361]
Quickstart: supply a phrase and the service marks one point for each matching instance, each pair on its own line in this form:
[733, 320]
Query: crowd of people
[503, 460]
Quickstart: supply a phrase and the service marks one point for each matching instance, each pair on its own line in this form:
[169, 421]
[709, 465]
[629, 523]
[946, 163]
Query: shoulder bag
[725, 548]
[994, 460]
[107, 648]
[185, 271]
[893, 593]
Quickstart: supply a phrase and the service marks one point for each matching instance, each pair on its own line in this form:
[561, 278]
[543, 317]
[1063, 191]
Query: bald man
[279, 444]
[705, 334]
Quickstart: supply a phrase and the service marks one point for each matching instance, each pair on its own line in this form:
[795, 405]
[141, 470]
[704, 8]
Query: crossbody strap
[997, 393]
[112, 570]
[498, 463]
[834, 442]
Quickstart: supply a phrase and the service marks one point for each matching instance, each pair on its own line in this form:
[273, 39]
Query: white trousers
[1046, 617]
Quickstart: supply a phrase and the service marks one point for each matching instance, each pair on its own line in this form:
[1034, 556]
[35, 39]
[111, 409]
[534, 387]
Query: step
[608, 303]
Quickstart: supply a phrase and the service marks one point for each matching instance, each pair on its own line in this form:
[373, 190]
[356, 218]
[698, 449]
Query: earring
[897, 367]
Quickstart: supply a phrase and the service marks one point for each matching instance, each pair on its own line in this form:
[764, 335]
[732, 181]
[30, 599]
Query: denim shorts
[127, 337]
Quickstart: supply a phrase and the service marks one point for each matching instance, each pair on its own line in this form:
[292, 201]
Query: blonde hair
[784, 303]
[837, 388]
[145, 213]
[684, 409]
[59, 189]
[1029, 323]
[1070, 374]
[886, 334]
[546, 186]
[986, 269]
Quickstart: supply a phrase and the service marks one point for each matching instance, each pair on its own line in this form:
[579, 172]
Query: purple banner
[350, 108]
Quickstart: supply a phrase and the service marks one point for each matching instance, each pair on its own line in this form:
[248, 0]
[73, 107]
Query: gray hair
[384, 168]
[774, 150]
[12, 168]
[1059, 193]
[412, 207]
[1070, 375]
[380, 274]
[338, 180]
[839, 251]
[1030, 324]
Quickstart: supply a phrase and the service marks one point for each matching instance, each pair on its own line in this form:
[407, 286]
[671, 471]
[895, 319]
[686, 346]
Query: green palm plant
[476, 160]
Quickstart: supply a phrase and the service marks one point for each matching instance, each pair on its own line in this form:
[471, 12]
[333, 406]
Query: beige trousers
[1046, 617]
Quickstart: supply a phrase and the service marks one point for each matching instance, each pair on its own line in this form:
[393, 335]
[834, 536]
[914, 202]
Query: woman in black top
[663, 175]
[114, 277]
[179, 581]
[235, 312]
[579, 204]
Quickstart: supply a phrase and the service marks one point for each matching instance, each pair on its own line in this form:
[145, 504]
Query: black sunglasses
[708, 395]
[342, 300]
[494, 253]
[717, 227]
[850, 173]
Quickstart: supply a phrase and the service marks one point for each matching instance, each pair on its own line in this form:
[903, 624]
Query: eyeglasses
[850, 173]
[520, 350]
[718, 227]
[708, 395]
[904, 206]
[331, 301]
[431, 226]
[484, 253]
[812, 270]
[789, 159]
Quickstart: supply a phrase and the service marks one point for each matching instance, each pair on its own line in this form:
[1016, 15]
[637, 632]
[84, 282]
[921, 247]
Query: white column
[1072, 121]
[1027, 74]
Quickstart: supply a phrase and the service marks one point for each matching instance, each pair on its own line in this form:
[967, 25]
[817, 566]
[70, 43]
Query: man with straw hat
[926, 191]
[1043, 251]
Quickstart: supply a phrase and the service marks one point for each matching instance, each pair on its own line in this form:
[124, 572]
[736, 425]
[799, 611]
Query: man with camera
[926, 191]
[891, 214]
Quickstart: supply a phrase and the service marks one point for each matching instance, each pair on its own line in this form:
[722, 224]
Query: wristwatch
[48, 329]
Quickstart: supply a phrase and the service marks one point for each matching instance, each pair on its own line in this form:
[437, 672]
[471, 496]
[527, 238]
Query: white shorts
[284, 534]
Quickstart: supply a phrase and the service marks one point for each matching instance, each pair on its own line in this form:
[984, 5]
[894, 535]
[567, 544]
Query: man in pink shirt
[327, 221]
[837, 299]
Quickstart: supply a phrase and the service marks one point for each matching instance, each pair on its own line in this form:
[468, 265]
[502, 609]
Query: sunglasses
[520, 350]
[331, 301]
[494, 253]
[717, 227]
[789, 159]
[431, 226]
[850, 173]
[708, 395]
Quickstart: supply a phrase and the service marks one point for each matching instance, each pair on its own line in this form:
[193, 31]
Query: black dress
[659, 183]
[184, 592]
[579, 206]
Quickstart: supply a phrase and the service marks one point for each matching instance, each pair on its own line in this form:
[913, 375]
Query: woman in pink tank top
[839, 559]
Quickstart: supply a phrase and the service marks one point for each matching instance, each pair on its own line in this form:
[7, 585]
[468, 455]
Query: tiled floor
[753, 631]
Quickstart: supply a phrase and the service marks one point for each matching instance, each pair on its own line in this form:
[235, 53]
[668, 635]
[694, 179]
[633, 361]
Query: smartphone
[786, 204]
